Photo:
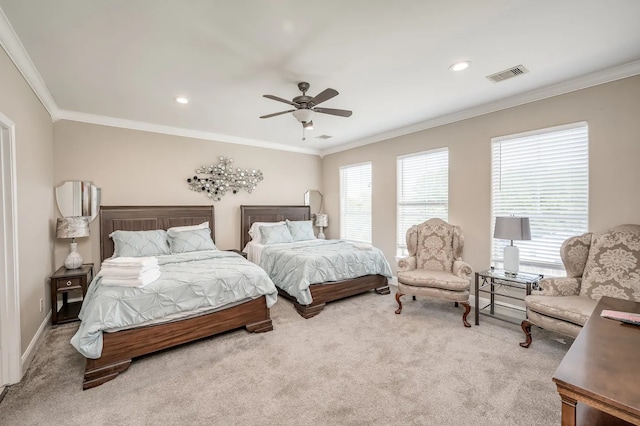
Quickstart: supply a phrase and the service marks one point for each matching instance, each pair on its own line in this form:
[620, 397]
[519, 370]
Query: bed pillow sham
[275, 234]
[184, 241]
[203, 225]
[140, 243]
[301, 230]
[254, 231]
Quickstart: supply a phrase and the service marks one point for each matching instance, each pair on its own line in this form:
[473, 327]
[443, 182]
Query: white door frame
[10, 347]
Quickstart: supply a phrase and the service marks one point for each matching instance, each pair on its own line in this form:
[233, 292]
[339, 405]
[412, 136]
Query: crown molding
[593, 79]
[17, 53]
[177, 131]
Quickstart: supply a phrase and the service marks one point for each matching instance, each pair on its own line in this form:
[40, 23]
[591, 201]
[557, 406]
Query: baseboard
[31, 350]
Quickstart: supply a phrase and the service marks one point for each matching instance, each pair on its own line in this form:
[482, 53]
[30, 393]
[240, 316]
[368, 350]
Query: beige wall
[34, 153]
[140, 168]
[612, 111]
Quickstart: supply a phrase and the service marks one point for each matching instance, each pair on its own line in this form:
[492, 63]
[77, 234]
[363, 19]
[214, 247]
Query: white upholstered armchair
[598, 264]
[434, 267]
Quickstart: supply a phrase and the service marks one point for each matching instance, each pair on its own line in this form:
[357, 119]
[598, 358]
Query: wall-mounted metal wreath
[216, 180]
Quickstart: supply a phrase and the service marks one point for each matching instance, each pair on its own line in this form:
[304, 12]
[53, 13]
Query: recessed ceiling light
[182, 100]
[459, 66]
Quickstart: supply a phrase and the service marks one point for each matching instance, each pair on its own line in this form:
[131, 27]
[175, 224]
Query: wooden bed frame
[120, 347]
[321, 293]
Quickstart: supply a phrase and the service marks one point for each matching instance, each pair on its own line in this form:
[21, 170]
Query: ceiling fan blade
[277, 113]
[325, 95]
[275, 98]
[340, 112]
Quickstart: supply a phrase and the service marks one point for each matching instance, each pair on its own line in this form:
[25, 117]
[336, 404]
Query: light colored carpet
[357, 363]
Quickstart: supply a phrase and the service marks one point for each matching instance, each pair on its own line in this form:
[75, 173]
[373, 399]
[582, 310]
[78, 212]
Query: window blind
[355, 202]
[423, 191]
[544, 176]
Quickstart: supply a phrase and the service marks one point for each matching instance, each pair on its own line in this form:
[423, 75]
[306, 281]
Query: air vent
[324, 137]
[509, 73]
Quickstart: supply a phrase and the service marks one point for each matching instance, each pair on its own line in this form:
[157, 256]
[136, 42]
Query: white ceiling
[122, 62]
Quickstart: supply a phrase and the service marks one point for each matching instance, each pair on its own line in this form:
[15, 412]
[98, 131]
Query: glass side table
[501, 283]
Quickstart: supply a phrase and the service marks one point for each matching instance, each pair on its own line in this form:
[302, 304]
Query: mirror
[77, 198]
[313, 199]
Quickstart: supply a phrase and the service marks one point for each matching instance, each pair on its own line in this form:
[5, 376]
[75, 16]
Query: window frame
[546, 210]
[344, 231]
[402, 226]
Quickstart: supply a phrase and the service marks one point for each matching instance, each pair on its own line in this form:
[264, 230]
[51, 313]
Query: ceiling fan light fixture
[460, 66]
[308, 125]
[303, 115]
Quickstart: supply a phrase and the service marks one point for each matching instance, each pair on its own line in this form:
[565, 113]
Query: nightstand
[65, 282]
[240, 252]
[501, 283]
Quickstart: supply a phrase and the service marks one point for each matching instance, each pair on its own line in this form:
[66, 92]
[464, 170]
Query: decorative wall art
[216, 180]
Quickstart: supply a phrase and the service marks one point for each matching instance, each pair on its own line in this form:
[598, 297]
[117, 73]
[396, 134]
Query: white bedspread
[188, 282]
[293, 267]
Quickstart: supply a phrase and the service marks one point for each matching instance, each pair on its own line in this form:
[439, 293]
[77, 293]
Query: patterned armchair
[597, 264]
[434, 267]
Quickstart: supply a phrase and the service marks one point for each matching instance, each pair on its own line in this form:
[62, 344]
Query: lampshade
[72, 227]
[512, 228]
[322, 219]
[303, 115]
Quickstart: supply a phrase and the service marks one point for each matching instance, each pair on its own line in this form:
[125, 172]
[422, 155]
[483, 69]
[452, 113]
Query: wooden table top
[603, 364]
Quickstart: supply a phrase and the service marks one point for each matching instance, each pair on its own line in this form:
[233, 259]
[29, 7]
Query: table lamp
[512, 228]
[73, 227]
[322, 221]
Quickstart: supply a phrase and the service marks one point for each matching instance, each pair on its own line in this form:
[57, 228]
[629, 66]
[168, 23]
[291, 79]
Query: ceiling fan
[306, 106]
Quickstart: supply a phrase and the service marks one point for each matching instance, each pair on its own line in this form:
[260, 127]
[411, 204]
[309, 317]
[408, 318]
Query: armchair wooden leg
[398, 296]
[467, 309]
[526, 327]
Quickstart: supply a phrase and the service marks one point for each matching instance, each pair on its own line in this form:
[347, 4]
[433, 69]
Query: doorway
[10, 347]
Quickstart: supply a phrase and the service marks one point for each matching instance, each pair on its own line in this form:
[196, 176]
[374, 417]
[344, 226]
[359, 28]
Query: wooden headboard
[145, 218]
[250, 214]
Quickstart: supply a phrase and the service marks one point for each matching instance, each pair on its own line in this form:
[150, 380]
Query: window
[423, 191]
[542, 175]
[355, 202]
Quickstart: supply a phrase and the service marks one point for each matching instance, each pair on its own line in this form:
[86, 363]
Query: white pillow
[254, 231]
[203, 225]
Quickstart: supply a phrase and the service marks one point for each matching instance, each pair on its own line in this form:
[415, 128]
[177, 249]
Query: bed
[321, 293]
[120, 347]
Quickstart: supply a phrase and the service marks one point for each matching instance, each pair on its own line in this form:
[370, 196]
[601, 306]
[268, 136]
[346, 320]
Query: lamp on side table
[512, 228]
[322, 221]
[73, 227]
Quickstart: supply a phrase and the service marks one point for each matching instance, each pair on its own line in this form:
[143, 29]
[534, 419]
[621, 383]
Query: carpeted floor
[357, 363]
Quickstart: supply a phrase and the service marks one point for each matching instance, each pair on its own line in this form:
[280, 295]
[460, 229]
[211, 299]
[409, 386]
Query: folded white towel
[125, 271]
[131, 261]
[143, 280]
